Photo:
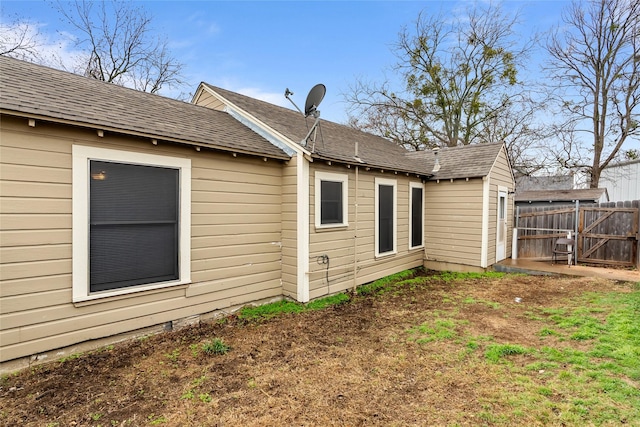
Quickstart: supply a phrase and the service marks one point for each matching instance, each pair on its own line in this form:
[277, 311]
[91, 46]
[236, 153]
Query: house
[561, 197]
[463, 202]
[469, 207]
[125, 213]
[367, 179]
[622, 181]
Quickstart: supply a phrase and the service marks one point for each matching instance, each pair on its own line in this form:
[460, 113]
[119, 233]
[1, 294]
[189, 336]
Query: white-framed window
[331, 200]
[386, 216]
[131, 222]
[416, 215]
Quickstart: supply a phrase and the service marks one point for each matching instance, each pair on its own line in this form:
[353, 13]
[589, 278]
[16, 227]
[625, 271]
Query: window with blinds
[134, 216]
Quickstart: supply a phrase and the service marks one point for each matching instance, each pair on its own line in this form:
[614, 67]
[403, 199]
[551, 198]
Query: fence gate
[608, 235]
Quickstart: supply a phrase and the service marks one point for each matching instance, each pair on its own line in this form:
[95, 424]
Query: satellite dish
[316, 94]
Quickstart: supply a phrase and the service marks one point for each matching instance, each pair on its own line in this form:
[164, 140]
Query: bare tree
[121, 46]
[19, 39]
[460, 78]
[594, 69]
[518, 128]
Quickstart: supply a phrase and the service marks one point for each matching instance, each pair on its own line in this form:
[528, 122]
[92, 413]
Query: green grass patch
[547, 332]
[438, 330]
[492, 304]
[267, 311]
[386, 283]
[601, 376]
[322, 303]
[406, 279]
[450, 276]
[495, 352]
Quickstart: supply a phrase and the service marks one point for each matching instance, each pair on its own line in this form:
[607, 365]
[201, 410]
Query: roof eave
[132, 132]
[369, 165]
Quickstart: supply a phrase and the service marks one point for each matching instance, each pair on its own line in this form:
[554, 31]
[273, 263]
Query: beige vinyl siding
[289, 229]
[205, 99]
[453, 223]
[235, 246]
[500, 176]
[338, 243]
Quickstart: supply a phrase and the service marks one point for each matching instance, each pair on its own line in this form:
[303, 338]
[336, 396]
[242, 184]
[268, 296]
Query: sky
[260, 48]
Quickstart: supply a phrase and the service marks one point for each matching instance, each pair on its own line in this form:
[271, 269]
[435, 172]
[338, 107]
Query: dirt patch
[365, 362]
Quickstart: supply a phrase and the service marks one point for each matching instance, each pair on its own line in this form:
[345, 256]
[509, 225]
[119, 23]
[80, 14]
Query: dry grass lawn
[426, 350]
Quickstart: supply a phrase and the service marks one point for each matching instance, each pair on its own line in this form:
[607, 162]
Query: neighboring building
[124, 212]
[622, 181]
[561, 197]
[535, 183]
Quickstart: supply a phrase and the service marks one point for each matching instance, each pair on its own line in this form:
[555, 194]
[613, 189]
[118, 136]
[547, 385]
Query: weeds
[215, 346]
[173, 356]
[204, 397]
[156, 419]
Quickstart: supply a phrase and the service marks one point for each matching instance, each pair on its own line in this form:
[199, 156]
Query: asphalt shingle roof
[334, 141]
[468, 161]
[593, 194]
[32, 90]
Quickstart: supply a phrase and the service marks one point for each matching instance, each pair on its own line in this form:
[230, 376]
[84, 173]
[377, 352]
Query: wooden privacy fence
[605, 233]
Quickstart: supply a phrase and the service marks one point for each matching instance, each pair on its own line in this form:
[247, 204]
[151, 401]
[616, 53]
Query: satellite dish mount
[314, 98]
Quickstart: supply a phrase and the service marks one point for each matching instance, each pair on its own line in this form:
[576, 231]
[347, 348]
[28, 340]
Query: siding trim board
[484, 251]
[303, 229]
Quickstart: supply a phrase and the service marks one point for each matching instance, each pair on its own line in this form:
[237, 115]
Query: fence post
[514, 243]
[575, 229]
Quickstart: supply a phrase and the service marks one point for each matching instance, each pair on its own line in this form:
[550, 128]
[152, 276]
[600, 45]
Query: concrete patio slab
[547, 268]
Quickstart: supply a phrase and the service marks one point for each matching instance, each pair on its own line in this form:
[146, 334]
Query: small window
[386, 216]
[131, 222]
[416, 215]
[331, 207]
[331, 202]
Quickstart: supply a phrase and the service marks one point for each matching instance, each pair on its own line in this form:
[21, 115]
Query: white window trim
[394, 184]
[335, 177]
[413, 185]
[81, 157]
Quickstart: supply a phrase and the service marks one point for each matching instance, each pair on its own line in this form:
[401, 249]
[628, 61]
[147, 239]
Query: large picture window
[331, 200]
[386, 216]
[131, 222]
[416, 215]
